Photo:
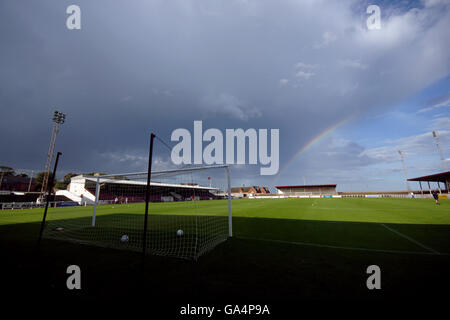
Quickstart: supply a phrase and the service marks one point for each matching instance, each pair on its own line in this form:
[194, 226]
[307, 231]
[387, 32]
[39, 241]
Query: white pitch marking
[411, 239]
[339, 247]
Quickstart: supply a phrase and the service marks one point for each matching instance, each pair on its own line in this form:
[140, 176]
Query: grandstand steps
[176, 195]
[87, 198]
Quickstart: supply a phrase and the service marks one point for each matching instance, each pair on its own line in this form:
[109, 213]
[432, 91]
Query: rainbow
[313, 141]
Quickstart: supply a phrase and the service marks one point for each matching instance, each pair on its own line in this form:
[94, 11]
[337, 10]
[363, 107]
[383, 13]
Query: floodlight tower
[58, 118]
[404, 170]
[438, 144]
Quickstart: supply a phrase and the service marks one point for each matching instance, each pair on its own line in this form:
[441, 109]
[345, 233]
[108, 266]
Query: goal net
[189, 211]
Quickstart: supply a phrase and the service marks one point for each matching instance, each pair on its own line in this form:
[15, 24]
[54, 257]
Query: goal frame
[227, 173]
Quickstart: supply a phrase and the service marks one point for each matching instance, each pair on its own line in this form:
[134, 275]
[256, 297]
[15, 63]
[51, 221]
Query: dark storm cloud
[151, 65]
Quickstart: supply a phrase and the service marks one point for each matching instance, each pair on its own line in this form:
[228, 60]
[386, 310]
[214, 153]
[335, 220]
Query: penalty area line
[309, 244]
[411, 239]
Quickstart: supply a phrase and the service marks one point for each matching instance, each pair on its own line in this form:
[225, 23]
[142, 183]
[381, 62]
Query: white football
[180, 233]
[124, 238]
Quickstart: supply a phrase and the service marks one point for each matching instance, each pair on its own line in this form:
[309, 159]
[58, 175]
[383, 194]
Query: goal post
[97, 195]
[190, 209]
[189, 213]
[167, 210]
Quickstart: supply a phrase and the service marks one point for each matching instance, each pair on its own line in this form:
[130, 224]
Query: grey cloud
[225, 104]
[441, 123]
[443, 104]
[413, 145]
[327, 38]
[152, 65]
[353, 63]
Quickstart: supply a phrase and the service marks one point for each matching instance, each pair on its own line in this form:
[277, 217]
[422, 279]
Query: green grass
[283, 249]
[405, 211]
[347, 222]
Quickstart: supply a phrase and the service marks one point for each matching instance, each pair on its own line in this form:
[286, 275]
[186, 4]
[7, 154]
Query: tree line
[39, 177]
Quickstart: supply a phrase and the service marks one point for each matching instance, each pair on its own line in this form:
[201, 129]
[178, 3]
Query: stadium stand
[244, 192]
[82, 189]
[18, 197]
[16, 183]
[317, 189]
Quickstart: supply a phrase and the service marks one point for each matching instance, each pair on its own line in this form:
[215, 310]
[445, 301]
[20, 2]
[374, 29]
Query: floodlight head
[58, 117]
[434, 134]
[399, 152]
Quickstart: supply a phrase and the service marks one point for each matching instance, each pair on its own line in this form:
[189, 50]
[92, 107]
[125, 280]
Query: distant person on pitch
[435, 196]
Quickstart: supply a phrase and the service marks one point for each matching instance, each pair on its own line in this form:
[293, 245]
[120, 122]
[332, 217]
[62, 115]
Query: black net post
[147, 198]
[49, 192]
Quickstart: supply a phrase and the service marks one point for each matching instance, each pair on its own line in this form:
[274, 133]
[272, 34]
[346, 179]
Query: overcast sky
[144, 66]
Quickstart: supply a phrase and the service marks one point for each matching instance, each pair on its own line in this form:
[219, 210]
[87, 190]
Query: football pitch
[282, 249]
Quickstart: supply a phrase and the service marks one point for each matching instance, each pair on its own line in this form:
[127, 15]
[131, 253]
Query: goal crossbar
[160, 172]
